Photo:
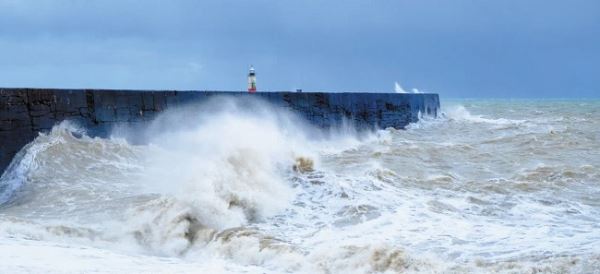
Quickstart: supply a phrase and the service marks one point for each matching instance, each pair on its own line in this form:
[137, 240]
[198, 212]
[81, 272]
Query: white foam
[460, 113]
[398, 88]
[213, 189]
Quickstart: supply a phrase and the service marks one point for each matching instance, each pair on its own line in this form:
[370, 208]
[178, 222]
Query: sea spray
[492, 186]
[193, 172]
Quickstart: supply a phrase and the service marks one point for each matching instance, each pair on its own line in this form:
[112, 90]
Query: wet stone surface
[25, 112]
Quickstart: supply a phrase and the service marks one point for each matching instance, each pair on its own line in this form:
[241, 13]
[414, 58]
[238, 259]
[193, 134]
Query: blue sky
[458, 48]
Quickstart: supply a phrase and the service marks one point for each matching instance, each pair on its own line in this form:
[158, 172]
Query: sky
[457, 48]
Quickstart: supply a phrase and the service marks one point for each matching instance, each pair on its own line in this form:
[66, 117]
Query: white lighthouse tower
[251, 80]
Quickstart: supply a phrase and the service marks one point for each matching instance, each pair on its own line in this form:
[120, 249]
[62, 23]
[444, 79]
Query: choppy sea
[489, 186]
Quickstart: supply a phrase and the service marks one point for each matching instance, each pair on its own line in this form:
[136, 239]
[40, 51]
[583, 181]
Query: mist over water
[231, 186]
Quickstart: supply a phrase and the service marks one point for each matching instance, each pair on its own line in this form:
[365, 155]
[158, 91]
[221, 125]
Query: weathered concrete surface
[25, 112]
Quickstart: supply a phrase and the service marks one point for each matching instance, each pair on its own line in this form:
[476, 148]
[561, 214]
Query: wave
[25, 161]
[193, 172]
[231, 186]
[460, 113]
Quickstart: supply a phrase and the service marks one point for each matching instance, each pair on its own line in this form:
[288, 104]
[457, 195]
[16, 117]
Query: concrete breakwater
[25, 112]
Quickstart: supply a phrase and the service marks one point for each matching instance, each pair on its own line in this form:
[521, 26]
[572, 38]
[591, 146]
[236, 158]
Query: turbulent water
[491, 186]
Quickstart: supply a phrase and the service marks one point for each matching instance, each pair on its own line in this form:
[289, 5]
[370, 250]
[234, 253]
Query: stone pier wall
[25, 112]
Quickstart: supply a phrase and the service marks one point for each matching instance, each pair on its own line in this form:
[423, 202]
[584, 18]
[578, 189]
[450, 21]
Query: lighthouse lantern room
[252, 80]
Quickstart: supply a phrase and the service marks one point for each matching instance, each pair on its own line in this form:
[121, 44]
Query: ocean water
[493, 186]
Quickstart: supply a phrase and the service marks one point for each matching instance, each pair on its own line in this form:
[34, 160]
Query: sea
[487, 186]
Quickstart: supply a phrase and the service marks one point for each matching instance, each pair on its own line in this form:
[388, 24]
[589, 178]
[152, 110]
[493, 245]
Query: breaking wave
[245, 187]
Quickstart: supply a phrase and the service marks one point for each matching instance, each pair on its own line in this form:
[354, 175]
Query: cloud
[463, 48]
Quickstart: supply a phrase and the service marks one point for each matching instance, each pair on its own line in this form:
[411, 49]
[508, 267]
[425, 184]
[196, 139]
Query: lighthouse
[252, 80]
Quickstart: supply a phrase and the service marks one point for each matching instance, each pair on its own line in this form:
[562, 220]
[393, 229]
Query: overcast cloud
[459, 48]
